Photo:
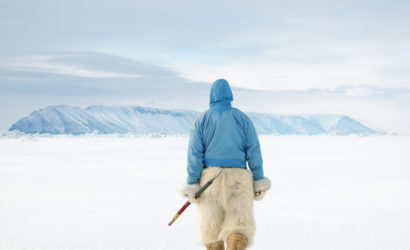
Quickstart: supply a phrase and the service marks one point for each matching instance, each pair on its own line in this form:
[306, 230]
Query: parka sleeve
[196, 154]
[253, 151]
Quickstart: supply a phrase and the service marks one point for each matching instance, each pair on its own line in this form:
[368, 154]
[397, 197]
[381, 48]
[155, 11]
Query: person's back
[225, 135]
[224, 132]
[225, 138]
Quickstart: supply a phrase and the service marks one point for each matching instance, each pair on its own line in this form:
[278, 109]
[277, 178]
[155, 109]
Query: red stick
[179, 212]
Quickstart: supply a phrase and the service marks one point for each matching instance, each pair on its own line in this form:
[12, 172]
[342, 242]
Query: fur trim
[226, 207]
[263, 184]
[189, 190]
[259, 195]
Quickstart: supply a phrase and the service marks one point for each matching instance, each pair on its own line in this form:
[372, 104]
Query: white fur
[189, 191]
[261, 185]
[226, 207]
[259, 195]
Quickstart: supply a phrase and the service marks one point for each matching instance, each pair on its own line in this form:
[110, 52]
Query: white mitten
[259, 195]
[260, 187]
[189, 192]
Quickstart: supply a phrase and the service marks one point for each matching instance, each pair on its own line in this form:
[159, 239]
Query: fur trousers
[226, 207]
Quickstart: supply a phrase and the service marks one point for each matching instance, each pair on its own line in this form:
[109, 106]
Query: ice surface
[64, 119]
[92, 192]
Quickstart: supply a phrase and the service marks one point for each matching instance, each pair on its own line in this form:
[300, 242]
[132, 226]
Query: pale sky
[353, 48]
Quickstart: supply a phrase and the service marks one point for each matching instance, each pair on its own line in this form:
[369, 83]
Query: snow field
[328, 192]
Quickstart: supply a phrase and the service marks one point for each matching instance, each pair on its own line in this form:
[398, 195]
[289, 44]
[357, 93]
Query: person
[225, 138]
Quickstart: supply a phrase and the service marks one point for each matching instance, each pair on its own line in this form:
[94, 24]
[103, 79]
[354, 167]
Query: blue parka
[223, 136]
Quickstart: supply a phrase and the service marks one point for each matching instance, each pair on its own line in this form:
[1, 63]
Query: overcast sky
[354, 48]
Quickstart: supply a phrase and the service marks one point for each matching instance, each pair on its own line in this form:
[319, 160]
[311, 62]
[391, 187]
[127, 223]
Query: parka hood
[220, 93]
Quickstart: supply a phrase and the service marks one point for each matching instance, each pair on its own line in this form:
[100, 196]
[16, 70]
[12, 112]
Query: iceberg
[65, 119]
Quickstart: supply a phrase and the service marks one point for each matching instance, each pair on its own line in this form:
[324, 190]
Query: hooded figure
[224, 137]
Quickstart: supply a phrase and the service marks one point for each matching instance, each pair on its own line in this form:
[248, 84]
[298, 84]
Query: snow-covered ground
[329, 192]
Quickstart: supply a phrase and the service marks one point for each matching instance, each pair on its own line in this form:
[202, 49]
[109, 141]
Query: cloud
[281, 74]
[76, 72]
[48, 64]
[279, 45]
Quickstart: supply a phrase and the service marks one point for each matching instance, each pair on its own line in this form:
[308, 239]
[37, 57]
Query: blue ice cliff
[64, 119]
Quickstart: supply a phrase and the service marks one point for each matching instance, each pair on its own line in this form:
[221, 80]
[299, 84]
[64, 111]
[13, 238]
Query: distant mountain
[64, 119]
